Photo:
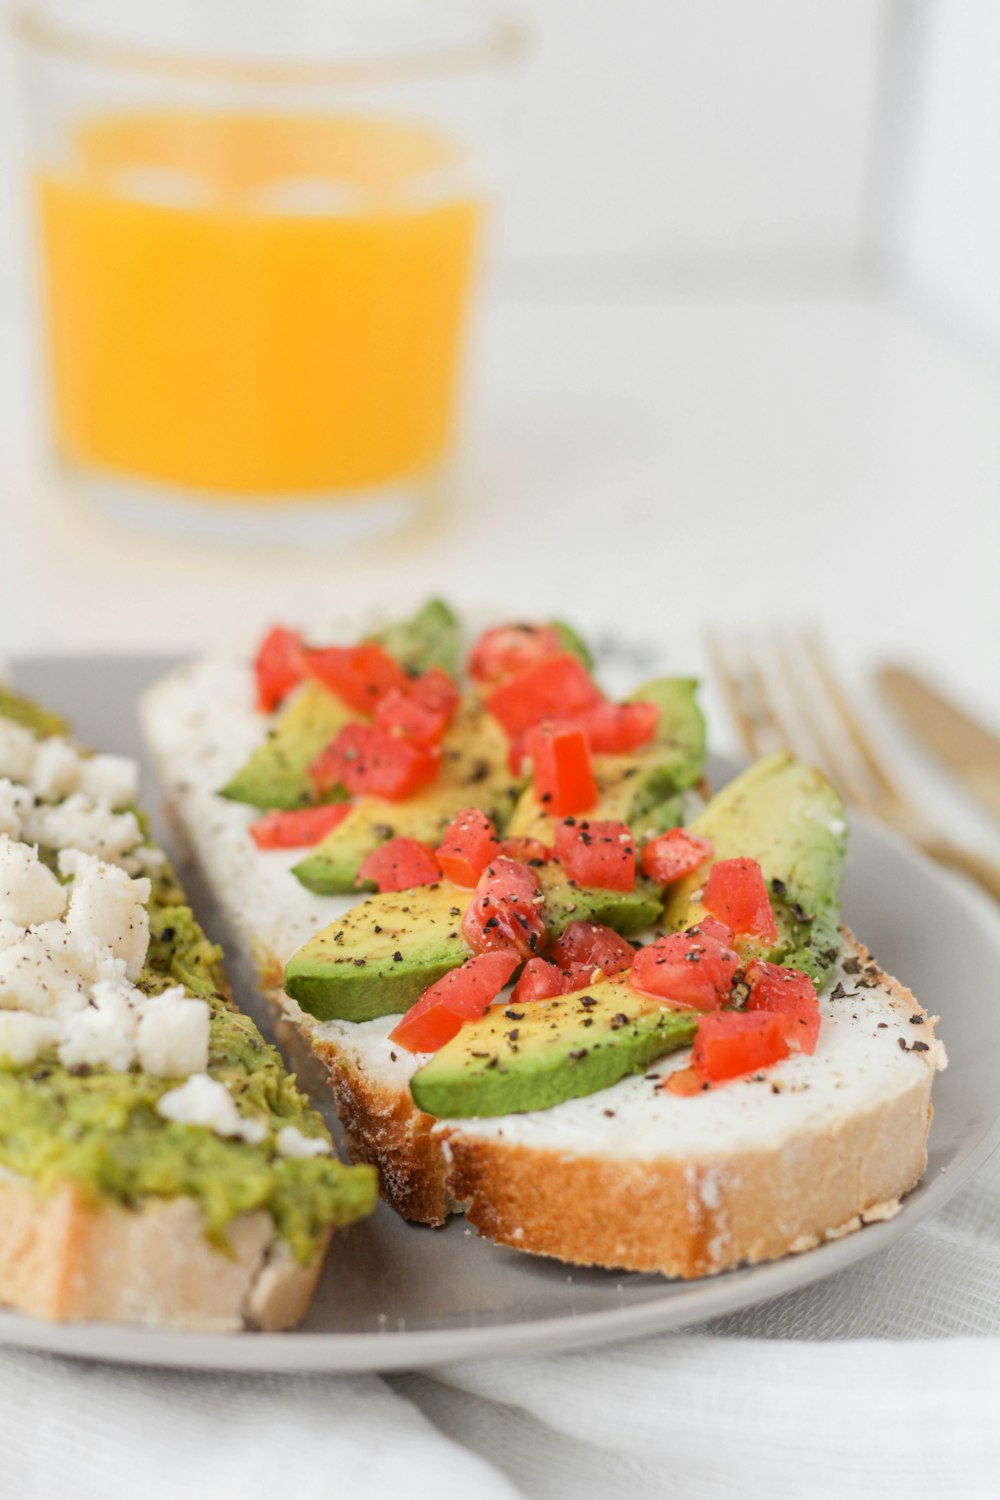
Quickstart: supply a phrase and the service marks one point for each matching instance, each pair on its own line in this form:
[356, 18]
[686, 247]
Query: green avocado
[552, 1050]
[382, 955]
[473, 774]
[788, 817]
[277, 774]
[570, 641]
[430, 638]
[631, 784]
[29, 715]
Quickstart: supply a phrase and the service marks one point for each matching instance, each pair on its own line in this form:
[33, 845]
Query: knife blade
[968, 749]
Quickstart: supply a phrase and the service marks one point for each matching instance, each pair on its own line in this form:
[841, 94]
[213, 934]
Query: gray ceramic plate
[395, 1296]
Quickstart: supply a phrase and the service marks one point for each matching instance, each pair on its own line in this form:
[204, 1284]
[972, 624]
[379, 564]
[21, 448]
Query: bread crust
[65, 1259]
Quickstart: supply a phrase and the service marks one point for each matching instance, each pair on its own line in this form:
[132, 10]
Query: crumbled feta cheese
[108, 905]
[29, 892]
[24, 1036]
[56, 770]
[17, 750]
[78, 824]
[204, 1101]
[90, 960]
[173, 1035]
[16, 803]
[291, 1142]
[110, 779]
[31, 979]
[105, 1031]
[10, 933]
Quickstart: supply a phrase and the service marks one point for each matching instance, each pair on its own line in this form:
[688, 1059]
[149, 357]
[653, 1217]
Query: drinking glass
[258, 228]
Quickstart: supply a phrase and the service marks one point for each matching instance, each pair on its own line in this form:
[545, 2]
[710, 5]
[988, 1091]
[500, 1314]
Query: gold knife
[966, 747]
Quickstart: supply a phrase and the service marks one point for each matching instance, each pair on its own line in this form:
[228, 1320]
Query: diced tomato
[361, 675]
[614, 728]
[562, 768]
[461, 995]
[733, 1043]
[593, 946]
[400, 713]
[399, 865]
[736, 893]
[296, 829]
[685, 1082]
[711, 927]
[539, 980]
[686, 968]
[506, 910]
[597, 852]
[364, 758]
[788, 993]
[469, 843]
[510, 648]
[554, 688]
[673, 854]
[279, 666]
[516, 756]
[531, 851]
[436, 691]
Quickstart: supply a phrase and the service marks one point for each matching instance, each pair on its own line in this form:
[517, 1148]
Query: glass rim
[503, 40]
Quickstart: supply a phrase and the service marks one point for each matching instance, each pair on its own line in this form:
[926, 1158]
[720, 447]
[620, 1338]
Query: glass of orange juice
[258, 227]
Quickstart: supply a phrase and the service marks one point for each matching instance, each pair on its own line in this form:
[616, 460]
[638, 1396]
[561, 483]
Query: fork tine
[833, 752]
[850, 723]
[733, 692]
[761, 723]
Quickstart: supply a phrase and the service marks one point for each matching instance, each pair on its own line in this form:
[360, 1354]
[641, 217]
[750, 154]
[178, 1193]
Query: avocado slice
[430, 638]
[277, 774]
[570, 641]
[788, 817]
[550, 1051]
[473, 774]
[382, 955]
[629, 785]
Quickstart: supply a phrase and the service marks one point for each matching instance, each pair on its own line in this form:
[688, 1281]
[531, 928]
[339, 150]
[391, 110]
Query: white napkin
[881, 1382]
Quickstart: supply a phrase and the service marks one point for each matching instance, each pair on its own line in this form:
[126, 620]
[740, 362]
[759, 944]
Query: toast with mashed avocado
[157, 1162]
[568, 1124]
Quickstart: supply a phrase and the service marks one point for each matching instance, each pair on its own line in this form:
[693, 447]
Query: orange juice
[256, 305]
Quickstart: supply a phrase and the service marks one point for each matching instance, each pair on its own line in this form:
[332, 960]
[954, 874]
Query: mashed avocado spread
[100, 1129]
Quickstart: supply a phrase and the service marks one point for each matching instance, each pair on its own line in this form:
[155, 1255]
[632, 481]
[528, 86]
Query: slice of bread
[633, 1177]
[103, 1215]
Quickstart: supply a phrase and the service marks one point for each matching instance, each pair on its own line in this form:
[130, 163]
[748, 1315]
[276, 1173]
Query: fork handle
[978, 868]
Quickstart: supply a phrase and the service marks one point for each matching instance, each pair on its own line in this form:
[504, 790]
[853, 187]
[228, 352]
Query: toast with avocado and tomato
[157, 1162]
[615, 1024]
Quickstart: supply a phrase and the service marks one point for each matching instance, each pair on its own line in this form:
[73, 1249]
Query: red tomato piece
[531, 851]
[436, 691]
[364, 758]
[400, 713]
[461, 995]
[505, 911]
[563, 771]
[733, 1043]
[592, 946]
[711, 927]
[684, 1082]
[673, 854]
[296, 829]
[686, 968]
[510, 648]
[736, 893]
[361, 675]
[279, 666]
[555, 688]
[469, 843]
[399, 865]
[597, 852]
[788, 993]
[614, 728]
[539, 980]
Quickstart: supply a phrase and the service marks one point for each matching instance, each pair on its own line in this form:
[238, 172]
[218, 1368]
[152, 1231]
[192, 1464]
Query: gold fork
[790, 698]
